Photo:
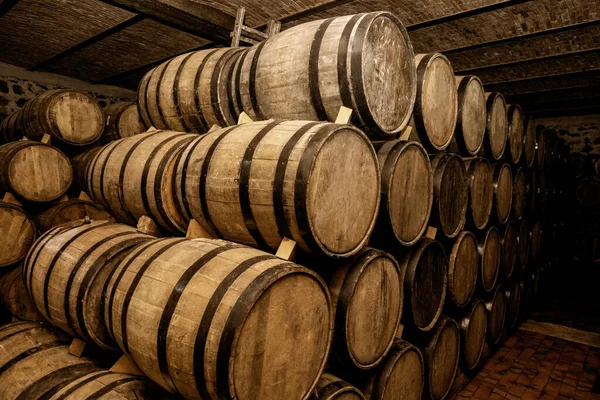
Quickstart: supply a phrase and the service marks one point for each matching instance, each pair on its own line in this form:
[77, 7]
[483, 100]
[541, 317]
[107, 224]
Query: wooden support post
[431, 232]
[148, 226]
[287, 249]
[344, 115]
[237, 28]
[195, 230]
[125, 365]
[405, 135]
[244, 118]
[273, 28]
[46, 139]
[77, 347]
[11, 199]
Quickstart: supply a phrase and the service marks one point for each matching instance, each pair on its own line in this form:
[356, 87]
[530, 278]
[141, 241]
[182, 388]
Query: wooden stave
[452, 265]
[16, 299]
[513, 300]
[498, 300]
[81, 162]
[114, 318]
[429, 355]
[330, 387]
[509, 249]
[529, 142]
[48, 219]
[519, 201]
[459, 144]
[249, 93]
[26, 246]
[524, 241]
[472, 165]
[491, 234]
[487, 149]
[112, 127]
[516, 133]
[537, 235]
[541, 147]
[269, 235]
[439, 164]
[501, 170]
[8, 129]
[464, 326]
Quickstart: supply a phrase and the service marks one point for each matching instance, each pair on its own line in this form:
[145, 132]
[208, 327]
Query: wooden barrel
[35, 361]
[110, 385]
[481, 191]
[189, 93]
[18, 233]
[67, 270]
[133, 177]
[496, 308]
[509, 248]
[436, 106]
[473, 331]
[406, 194]
[367, 294]
[541, 147]
[425, 283]
[513, 303]
[121, 120]
[364, 62]
[451, 193]
[81, 163]
[536, 239]
[490, 253]
[256, 183]
[529, 142]
[330, 387]
[503, 191]
[229, 321]
[8, 130]
[471, 116]
[401, 376]
[68, 211]
[523, 243]
[15, 298]
[496, 128]
[69, 116]
[441, 355]
[519, 200]
[516, 133]
[33, 171]
[463, 267]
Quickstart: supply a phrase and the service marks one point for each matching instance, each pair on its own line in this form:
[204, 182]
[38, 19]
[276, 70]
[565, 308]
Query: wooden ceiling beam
[540, 84]
[566, 94]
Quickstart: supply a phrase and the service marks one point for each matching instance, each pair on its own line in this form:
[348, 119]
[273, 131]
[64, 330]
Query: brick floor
[535, 366]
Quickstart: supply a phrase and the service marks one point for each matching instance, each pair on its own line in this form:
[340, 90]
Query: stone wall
[582, 133]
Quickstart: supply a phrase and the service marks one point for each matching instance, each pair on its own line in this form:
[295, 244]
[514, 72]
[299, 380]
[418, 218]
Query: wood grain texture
[503, 191]
[516, 132]
[471, 116]
[15, 298]
[81, 163]
[463, 269]
[330, 387]
[496, 128]
[481, 191]
[473, 332]
[524, 243]
[228, 320]
[441, 355]
[529, 141]
[121, 120]
[513, 303]
[68, 211]
[519, 201]
[450, 189]
[490, 252]
[509, 248]
[496, 308]
[18, 232]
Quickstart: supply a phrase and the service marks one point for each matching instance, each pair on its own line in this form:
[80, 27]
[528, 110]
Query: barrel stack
[372, 236]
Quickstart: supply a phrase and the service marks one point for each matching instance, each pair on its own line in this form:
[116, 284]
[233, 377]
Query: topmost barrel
[364, 62]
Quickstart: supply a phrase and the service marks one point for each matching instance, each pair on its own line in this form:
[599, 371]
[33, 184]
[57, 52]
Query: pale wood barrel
[471, 116]
[513, 303]
[496, 129]
[35, 361]
[367, 293]
[8, 129]
[451, 193]
[229, 321]
[330, 387]
[481, 191]
[18, 232]
[121, 120]
[516, 133]
[490, 252]
[364, 62]
[496, 308]
[473, 332]
[81, 163]
[519, 201]
[425, 283]
[436, 107]
[406, 194]
[68, 211]
[523, 244]
[189, 93]
[256, 183]
[503, 192]
[67, 270]
[441, 354]
[509, 248]
[529, 142]
[401, 376]
[133, 177]
[33, 171]
[463, 268]
[15, 298]
[69, 116]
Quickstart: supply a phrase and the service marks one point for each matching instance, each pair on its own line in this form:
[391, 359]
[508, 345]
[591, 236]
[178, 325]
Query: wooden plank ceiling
[544, 54]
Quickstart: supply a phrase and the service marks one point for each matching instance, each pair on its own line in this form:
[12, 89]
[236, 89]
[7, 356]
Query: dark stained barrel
[68, 211]
[463, 267]
[541, 148]
[516, 133]
[471, 120]
[18, 232]
[451, 193]
[8, 130]
[15, 298]
[481, 191]
[509, 248]
[529, 142]
[519, 201]
[441, 355]
[121, 120]
[524, 242]
[496, 129]
[330, 387]
[503, 191]
[81, 163]
[513, 303]
[490, 253]
[496, 308]
[536, 239]
[473, 332]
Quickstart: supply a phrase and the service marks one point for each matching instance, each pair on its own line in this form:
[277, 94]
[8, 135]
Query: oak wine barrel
[330, 387]
[81, 163]
[15, 298]
[316, 183]
[18, 232]
[406, 194]
[516, 133]
[367, 294]
[496, 128]
[490, 252]
[471, 117]
[473, 331]
[34, 172]
[541, 148]
[436, 107]
[229, 321]
[513, 303]
[503, 191]
[67, 270]
[425, 283]
[401, 376]
[509, 248]
[523, 244]
[189, 93]
[481, 191]
[529, 141]
[68, 211]
[519, 201]
[496, 308]
[364, 62]
[450, 189]
[133, 177]
[121, 120]
[8, 130]
[463, 267]
[35, 362]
